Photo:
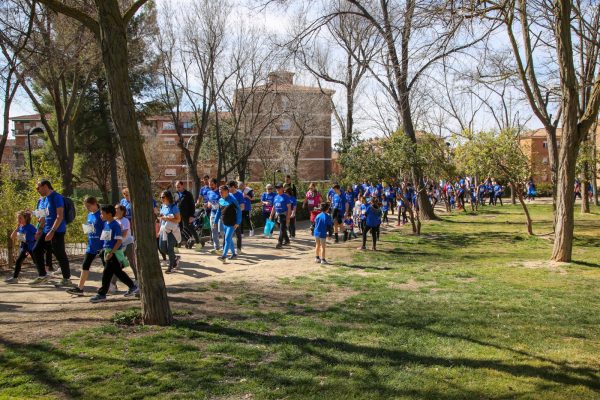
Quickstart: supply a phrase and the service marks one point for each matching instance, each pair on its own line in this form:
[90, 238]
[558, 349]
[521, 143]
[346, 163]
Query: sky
[278, 22]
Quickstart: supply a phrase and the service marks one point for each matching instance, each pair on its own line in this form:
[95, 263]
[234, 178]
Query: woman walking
[169, 234]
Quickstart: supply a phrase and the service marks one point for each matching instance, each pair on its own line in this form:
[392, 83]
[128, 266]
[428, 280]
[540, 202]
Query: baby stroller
[200, 225]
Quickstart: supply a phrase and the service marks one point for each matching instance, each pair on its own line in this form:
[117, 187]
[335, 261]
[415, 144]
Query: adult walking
[185, 203]
[52, 228]
[266, 200]
[291, 185]
[246, 211]
[126, 202]
[230, 214]
[239, 196]
[282, 211]
[211, 203]
[312, 199]
[372, 223]
[169, 234]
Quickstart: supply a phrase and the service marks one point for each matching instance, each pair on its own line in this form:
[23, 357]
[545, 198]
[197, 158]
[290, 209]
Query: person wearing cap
[281, 212]
[266, 200]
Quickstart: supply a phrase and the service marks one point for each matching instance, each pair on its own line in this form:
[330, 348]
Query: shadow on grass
[586, 264]
[362, 267]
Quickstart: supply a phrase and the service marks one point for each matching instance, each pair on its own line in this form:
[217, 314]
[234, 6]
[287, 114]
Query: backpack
[70, 211]
[229, 215]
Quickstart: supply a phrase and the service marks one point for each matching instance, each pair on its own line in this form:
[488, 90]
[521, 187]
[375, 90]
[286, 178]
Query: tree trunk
[526, 211]
[113, 40]
[513, 194]
[114, 174]
[66, 174]
[585, 200]
[571, 139]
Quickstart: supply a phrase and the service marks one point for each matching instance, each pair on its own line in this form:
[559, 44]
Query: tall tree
[109, 26]
[338, 52]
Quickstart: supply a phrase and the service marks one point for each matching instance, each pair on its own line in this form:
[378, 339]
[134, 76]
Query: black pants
[246, 221]
[23, 251]
[87, 261]
[292, 227]
[238, 237]
[283, 234]
[385, 216]
[57, 247]
[374, 233]
[113, 267]
[362, 225]
[185, 226]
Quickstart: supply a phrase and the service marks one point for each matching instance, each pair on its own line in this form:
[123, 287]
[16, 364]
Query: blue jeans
[214, 232]
[168, 247]
[229, 231]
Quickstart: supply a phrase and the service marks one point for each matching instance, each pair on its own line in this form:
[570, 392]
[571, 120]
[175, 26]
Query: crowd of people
[222, 210]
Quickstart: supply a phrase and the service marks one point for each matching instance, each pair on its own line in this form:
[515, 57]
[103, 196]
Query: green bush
[133, 316]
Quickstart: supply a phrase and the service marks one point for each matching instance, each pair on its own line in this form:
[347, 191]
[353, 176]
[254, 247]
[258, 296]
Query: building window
[285, 125]
[545, 145]
[170, 172]
[168, 126]
[169, 142]
[285, 102]
[187, 125]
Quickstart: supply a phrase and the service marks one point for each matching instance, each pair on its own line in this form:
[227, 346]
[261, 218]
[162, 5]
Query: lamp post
[31, 131]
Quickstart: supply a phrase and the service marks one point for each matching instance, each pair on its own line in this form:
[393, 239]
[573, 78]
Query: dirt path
[31, 313]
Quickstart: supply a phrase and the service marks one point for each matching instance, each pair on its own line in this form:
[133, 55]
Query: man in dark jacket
[185, 203]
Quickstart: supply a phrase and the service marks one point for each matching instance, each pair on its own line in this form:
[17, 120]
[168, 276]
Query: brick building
[535, 146]
[16, 152]
[296, 127]
[298, 136]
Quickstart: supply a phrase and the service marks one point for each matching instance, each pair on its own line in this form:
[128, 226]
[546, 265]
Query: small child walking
[24, 233]
[349, 228]
[323, 223]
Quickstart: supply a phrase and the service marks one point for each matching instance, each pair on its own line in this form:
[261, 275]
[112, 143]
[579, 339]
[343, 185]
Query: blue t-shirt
[239, 196]
[127, 204]
[280, 202]
[363, 210]
[168, 210]
[350, 198]
[337, 202]
[373, 216]
[203, 191]
[26, 235]
[212, 197]
[293, 202]
[114, 233]
[323, 223]
[54, 201]
[268, 197]
[247, 201]
[224, 202]
[94, 221]
[330, 194]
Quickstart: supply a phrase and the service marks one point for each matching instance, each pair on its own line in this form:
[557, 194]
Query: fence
[9, 254]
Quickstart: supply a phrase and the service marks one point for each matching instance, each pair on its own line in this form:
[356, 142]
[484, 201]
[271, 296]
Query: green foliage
[470, 311]
[394, 157]
[132, 316]
[496, 155]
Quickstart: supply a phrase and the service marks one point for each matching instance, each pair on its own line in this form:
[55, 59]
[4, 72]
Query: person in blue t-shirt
[53, 228]
[498, 192]
[385, 208]
[230, 213]
[294, 204]
[170, 233]
[373, 215]
[281, 212]
[203, 190]
[323, 224]
[126, 202]
[339, 208]
[111, 242]
[24, 234]
[93, 228]
[246, 212]
[211, 202]
[266, 199]
[239, 196]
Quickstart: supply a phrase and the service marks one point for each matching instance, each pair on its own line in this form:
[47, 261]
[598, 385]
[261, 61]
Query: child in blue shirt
[24, 233]
[294, 203]
[349, 227]
[373, 215]
[111, 242]
[323, 223]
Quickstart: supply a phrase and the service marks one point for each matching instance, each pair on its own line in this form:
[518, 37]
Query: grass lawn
[469, 310]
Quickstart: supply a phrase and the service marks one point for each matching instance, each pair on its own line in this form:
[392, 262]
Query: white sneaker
[251, 232]
[324, 262]
[112, 288]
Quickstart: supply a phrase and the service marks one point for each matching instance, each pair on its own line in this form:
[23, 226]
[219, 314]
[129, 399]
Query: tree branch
[132, 10]
[86, 20]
